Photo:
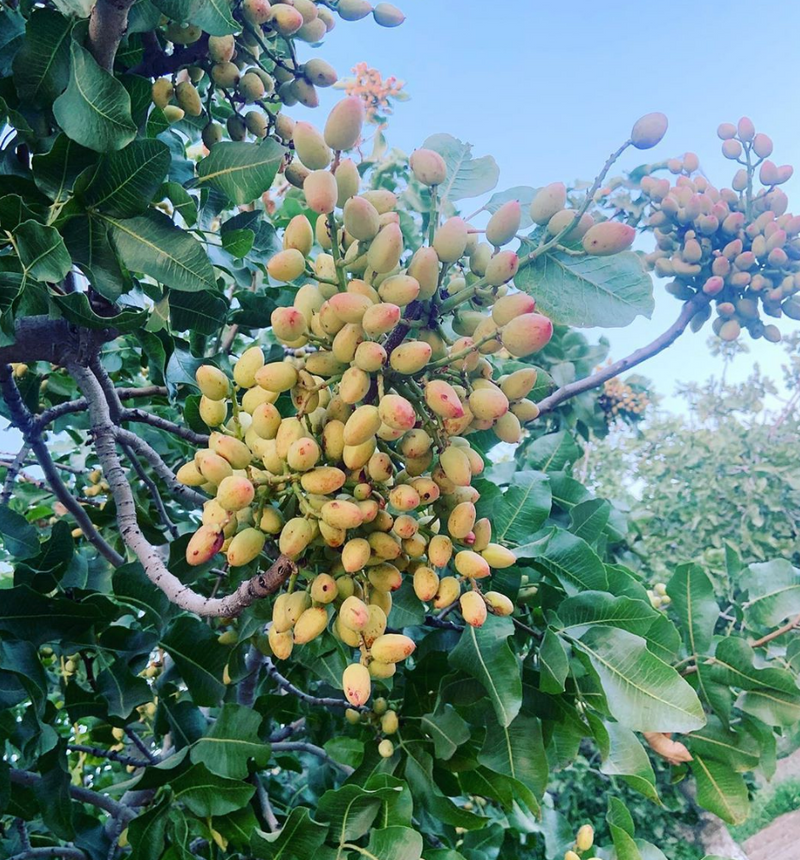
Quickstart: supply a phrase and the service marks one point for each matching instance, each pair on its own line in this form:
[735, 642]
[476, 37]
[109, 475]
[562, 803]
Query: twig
[321, 701]
[53, 412]
[141, 417]
[787, 628]
[148, 453]
[111, 755]
[313, 749]
[152, 489]
[567, 392]
[266, 807]
[141, 745]
[246, 689]
[84, 795]
[287, 731]
[50, 851]
[259, 586]
[13, 470]
[23, 419]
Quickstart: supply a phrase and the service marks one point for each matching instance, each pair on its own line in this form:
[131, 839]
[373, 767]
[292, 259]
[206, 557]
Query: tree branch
[13, 470]
[321, 701]
[77, 792]
[787, 628]
[107, 25]
[187, 494]
[141, 417]
[23, 419]
[40, 338]
[51, 851]
[80, 405]
[105, 433]
[313, 749]
[141, 746]
[111, 755]
[567, 392]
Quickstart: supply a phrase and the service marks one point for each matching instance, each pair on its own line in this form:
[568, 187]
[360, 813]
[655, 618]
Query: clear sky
[549, 89]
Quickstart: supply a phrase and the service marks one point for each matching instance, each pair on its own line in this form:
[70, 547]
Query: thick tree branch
[23, 419]
[43, 339]
[107, 25]
[567, 392]
[105, 434]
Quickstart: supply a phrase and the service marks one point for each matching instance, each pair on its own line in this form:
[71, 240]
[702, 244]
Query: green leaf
[213, 16]
[524, 507]
[27, 614]
[773, 707]
[299, 837]
[231, 742]
[524, 194]
[183, 202]
[123, 183]
[692, 593]
[624, 756]
[199, 657]
[643, 693]
[122, 690]
[147, 832]
[447, 729]
[42, 252]
[153, 245]
[241, 171]
[350, 810]
[206, 794]
[466, 176]
[588, 519]
[55, 171]
[553, 663]
[95, 109]
[773, 590]
[739, 750]
[588, 291]
[721, 790]
[573, 563]
[484, 653]
[517, 751]
[551, 453]
[76, 308]
[132, 587]
[599, 608]
[395, 843]
[238, 242]
[734, 666]
[19, 536]
[620, 825]
[428, 796]
[41, 66]
[87, 241]
[12, 35]
[203, 312]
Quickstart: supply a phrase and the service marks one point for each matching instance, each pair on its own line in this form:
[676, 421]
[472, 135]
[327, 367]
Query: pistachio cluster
[739, 246]
[256, 68]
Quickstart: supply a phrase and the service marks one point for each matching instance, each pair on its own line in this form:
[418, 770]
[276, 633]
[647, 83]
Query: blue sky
[549, 89]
